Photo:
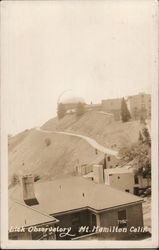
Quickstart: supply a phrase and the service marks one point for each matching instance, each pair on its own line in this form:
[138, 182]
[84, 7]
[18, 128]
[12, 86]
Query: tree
[140, 154]
[61, 111]
[80, 109]
[47, 141]
[141, 139]
[147, 136]
[125, 114]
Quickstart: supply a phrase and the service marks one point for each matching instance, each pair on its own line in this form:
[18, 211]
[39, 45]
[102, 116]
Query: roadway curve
[89, 140]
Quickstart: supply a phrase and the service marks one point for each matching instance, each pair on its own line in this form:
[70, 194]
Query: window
[127, 190]
[108, 158]
[122, 221]
[118, 177]
[136, 179]
[75, 219]
[93, 220]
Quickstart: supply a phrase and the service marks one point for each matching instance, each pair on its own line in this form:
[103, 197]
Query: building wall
[98, 173]
[111, 160]
[134, 216]
[20, 236]
[83, 169]
[112, 106]
[121, 181]
[137, 102]
[68, 220]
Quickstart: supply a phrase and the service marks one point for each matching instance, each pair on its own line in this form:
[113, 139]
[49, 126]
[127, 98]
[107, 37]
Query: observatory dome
[71, 97]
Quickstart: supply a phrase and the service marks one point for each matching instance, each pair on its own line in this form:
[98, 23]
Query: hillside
[50, 155]
[97, 126]
[32, 155]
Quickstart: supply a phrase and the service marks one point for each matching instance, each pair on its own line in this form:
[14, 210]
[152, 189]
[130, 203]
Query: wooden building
[76, 202]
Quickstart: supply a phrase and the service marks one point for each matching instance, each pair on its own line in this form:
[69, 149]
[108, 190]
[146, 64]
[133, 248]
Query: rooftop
[118, 170]
[23, 215]
[75, 192]
[73, 99]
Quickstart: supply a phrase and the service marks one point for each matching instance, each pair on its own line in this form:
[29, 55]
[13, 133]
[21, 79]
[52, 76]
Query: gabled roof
[75, 192]
[23, 215]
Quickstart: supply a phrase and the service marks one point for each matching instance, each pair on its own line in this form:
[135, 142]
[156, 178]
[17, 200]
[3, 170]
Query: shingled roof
[22, 215]
[72, 193]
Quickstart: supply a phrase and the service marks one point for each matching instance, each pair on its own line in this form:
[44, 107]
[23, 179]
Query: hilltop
[50, 155]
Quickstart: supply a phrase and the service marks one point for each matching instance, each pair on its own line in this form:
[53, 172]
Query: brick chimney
[28, 190]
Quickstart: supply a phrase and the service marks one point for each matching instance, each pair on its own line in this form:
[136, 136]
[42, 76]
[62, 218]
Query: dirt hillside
[50, 155]
[97, 126]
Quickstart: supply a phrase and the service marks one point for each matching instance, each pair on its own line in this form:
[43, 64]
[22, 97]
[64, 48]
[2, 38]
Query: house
[83, 169]
[120, 178]
[82, 207]
[22, 219]
[125, 179]
[109, 160]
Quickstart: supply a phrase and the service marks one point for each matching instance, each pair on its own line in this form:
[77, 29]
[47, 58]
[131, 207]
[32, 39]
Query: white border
[5, 243]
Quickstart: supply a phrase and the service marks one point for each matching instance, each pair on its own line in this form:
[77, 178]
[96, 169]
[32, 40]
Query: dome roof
[70, 97]
[72, 100]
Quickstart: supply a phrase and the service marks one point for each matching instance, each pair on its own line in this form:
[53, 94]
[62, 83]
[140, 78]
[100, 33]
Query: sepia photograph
[79, 124]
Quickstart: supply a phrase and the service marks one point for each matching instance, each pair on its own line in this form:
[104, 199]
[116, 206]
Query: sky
[93, 49]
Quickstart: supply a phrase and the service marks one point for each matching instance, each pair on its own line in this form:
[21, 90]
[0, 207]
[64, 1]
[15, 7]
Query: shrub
[47, 141]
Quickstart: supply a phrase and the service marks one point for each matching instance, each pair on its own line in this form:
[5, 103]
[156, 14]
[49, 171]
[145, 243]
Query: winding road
[89, 140]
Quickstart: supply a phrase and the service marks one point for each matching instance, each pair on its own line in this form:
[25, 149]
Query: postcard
[79, 124]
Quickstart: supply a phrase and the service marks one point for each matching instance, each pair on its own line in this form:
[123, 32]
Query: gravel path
[89, 140]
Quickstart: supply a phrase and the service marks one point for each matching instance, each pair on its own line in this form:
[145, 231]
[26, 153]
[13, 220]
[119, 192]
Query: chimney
[28, 190]
[98, 173]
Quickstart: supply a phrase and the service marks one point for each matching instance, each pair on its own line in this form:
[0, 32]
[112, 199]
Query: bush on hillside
[147, 138]
[140, 139]
[47, 141]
